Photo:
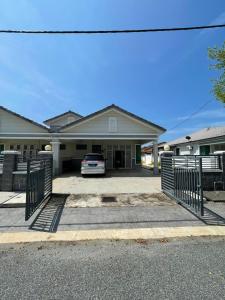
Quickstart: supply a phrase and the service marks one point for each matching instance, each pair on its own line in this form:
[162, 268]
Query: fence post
[201, 188]
[27, 190]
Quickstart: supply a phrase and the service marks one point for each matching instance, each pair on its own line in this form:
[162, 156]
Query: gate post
[9, 165]
[45, 155]
[155, 156]
[201, 187]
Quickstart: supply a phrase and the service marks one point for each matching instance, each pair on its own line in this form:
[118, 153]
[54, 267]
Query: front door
[119, 160]
[97, 149]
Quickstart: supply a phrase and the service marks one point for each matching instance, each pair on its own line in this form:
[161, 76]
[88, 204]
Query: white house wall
[99, 124]
[185, 151]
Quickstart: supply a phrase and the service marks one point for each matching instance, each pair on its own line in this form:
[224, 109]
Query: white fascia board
[103, 134]
[83, 136]
[32, 136]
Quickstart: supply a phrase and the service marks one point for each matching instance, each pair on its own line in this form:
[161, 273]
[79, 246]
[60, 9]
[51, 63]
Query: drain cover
[108, 199]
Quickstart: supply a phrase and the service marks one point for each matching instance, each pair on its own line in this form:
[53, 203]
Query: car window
[94, 157]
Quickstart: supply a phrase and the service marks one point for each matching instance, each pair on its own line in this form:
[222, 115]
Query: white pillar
[55, 149]
[155, 156]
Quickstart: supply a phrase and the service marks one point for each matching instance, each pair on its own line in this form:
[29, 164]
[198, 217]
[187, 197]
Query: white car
[93, 163]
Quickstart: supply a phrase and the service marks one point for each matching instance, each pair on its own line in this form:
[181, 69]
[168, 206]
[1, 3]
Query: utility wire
[8, 31]
[192, 114]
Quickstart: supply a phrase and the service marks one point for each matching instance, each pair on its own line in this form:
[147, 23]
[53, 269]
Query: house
[147, 157]
[202, 142]
[113, 131]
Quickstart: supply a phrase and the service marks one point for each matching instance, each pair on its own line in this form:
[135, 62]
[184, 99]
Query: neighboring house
[113, 131]
[202, 142]
[147, 156]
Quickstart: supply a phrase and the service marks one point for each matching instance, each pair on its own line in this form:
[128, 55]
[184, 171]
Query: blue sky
[162, 77]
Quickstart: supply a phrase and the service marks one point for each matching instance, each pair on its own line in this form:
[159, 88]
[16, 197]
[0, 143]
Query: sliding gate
[38, 185]
[182, 180]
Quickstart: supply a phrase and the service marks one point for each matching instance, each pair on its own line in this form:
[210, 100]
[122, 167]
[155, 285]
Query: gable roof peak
[22, 117]
[63, 114]
[120, 110]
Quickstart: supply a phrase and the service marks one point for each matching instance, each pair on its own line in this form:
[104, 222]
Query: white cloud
[207, 114]
[220, 19]
[34, 82]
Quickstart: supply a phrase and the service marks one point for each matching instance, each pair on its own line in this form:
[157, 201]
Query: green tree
[218, 55]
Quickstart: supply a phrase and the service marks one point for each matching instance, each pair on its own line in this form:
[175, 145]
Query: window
[2, 148]
[43, 147]
[11, 147]
[91, 157]
[31, 147]
[81, 147]
[17, 147]
[25, 147]
[177, 151]
[138, 154]
[112, 124]
[62, 147]
[205, 150]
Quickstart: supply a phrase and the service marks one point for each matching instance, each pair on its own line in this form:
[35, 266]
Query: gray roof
[22, 117]
[203, 134]
[63, 114]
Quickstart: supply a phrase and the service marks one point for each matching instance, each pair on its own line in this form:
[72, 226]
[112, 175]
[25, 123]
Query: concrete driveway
[123, 181]
[12, 199]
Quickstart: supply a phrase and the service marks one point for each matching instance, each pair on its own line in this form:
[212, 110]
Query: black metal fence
[39, 184]
[182, 180]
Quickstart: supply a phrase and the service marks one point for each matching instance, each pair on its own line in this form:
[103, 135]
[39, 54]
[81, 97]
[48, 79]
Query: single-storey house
[202, 142]
[147, 157]
[113, 131]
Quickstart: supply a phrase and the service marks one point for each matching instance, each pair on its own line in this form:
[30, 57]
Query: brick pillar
[46, 155]
[9, 165]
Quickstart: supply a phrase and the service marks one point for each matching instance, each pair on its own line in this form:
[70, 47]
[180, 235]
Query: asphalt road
[188, 269]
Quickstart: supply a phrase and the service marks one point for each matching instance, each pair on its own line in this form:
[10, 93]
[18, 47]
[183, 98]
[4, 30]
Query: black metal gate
[38, 185]
[182, 180]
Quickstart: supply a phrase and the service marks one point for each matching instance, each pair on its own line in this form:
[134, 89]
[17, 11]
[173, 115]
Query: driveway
[12, 198]
[123, 181]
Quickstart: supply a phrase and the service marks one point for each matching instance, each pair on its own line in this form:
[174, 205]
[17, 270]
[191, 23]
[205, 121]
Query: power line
[192, 114]
[15, 31]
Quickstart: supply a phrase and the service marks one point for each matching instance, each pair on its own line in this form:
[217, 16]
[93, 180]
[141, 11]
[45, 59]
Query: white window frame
[112, 128]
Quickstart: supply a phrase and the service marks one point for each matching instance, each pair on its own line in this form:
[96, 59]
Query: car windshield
[94, 157]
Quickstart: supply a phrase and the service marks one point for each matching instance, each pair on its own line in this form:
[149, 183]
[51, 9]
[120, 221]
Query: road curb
[111, 234]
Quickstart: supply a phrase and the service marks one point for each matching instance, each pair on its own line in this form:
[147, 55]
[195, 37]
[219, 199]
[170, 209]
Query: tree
[218, 55]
